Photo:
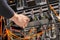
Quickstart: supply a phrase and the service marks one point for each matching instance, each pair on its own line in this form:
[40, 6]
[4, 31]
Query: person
[6, 11]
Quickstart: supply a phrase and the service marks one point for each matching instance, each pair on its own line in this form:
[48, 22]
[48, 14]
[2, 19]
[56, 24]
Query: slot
[36, 9]
[27, 10]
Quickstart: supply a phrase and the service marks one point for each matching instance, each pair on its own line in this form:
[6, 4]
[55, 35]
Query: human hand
[20, 20]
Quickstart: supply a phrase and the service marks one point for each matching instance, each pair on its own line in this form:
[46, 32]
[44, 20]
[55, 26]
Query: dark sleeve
[5, 9]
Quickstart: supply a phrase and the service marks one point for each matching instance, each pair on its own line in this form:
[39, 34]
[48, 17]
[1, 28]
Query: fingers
[21, 20]
[26, 22]
[24, 17]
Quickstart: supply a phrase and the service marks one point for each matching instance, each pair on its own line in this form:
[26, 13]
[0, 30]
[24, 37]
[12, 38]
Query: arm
[7, 12]
[5, 9]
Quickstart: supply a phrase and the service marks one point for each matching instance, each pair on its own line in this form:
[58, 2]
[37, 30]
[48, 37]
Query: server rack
[31, 11]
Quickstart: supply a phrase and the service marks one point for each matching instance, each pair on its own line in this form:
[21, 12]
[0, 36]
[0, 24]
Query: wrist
[14, 17]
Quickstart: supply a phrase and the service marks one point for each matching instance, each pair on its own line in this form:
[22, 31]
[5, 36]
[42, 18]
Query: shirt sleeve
[5, 9]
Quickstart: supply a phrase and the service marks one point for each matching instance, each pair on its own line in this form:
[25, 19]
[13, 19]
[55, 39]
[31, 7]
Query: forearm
[5, 9]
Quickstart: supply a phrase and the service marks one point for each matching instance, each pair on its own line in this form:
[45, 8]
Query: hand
[20, 20]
